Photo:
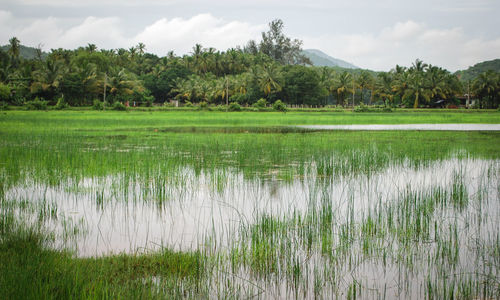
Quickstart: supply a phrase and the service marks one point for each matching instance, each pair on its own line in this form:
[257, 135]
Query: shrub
[362, 108]
[119, 106]
[36, 104]
[221, 108]
[279, 106]
[4, 105]
[188, 104]
[203, 105]
[61, 104]
[260, 104]
[98, 105]
[234, 106]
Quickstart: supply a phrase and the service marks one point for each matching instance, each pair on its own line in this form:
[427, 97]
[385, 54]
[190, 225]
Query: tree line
[271, 69]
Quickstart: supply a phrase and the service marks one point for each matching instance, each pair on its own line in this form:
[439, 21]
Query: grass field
[237, 205]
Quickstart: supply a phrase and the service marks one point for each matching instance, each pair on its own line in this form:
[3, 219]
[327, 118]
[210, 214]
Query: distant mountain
[24, 51]
[472, 72]
[319, 58]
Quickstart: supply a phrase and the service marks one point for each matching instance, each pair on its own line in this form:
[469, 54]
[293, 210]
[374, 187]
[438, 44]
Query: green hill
[25, 51]
[472, 72]
[321, 59]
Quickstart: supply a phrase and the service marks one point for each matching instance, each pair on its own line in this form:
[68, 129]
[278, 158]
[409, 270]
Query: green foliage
[278, 105]
[188, 104]
[203, 105]
[4, 105]
[267, 69]
[364, 108]
[36, 104]
[260, 105]
[234, 106]
[119, 106]
[302, 86]
[61, 104]
[361, 108]
[4, 92]
[31, 270]
[98, 105]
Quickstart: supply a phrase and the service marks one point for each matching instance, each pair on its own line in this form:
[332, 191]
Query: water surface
[443, 127]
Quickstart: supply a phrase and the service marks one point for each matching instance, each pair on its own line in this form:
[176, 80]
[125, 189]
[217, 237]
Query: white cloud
[104, 32]
[182, 34]
[177, 34]
[72, 3]
[404, 42]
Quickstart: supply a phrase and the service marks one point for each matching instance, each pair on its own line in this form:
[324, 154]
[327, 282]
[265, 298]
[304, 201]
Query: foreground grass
[62, 148]
[31, 270]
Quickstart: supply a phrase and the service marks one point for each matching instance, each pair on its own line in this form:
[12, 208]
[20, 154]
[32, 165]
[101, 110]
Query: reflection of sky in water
[446, 127]
[194, 208]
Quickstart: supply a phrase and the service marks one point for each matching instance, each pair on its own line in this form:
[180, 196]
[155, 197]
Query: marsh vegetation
[162, 205]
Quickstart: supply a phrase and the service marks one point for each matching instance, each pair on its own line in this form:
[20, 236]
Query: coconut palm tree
[122, 83]
[270, 78]
[47, 79]
[417, 89]
[365, 81]
[14, 51]
[141, 48]
[343, 85]
[384, 86]
[487, 87]
[418, 66]
[436, 81]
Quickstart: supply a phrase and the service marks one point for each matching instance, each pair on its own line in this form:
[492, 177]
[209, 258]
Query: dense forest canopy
[274, 68]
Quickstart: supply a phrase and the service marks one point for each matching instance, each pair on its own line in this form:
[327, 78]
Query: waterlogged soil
[222, 211]
[112, 215]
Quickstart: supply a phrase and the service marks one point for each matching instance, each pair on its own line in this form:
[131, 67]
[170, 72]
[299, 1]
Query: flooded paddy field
[249, 212]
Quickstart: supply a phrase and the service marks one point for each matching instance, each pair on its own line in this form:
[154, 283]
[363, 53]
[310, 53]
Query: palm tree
[400, 83]
[91, 48]
[417, 89]
[419, 66]
[90, 80]
[343, 85]
[384, 86]
[14, 50]
[48, 78]
[487, 87]
[327, 80]
[269, 78]
[196, 56]
[436, 82]
[365, 81]
[185, 89]
[141, 48]
[122, 83]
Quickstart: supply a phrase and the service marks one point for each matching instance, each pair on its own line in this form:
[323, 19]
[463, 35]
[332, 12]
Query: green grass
[31, 270]
[426, 232]
[105, 121]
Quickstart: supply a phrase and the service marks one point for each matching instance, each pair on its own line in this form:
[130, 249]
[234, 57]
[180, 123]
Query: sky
[376, 35]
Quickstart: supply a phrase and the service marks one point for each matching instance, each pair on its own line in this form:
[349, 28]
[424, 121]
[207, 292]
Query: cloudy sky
[370, 34]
